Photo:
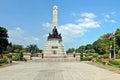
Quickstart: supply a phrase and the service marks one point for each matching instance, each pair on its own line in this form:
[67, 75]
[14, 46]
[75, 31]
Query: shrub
[3, 61]
[81, 56]
[106, 56]
[8, 55]
[21, 56]
[95, 55]
[18, 57]
[100, 57]
[99, 60]
[117, 57]
[114, 62]
[87, 59]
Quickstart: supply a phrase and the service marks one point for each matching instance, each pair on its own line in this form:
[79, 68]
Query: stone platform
[56, 71]
[54, 47]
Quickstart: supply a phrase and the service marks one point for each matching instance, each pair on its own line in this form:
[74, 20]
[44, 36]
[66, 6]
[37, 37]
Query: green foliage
[3, 30]
[101, 46]
[23, 51]
[118, 55]
[3, 39]
[70, 50]
[85, 49]
[3, 61]
[8, 55]
[89, 48]
[117, 35]
[32, 48]
[99, 60]
[21, 56]
[106, 56]
[9, 48]
[115, 62]
[81, 56]
[81, 49]
[16, 50]
[95, 55]
[18, 57]
[87, 58]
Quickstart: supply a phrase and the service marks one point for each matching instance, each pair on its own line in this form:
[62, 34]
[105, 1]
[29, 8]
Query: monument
[54, 46]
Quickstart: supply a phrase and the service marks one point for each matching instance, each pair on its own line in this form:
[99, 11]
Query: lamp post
[110, 51]
[114, 49]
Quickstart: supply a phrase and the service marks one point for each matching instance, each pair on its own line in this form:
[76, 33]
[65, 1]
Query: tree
[17, 48]
[81, 49]
[117, 35]
[70, 50]
[9, 48]
[89, 48]
[23, 51]
[102, 45]
[32, 48]
[3, 39]
[18, 57]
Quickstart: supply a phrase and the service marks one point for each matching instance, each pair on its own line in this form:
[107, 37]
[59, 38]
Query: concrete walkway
[56, 71]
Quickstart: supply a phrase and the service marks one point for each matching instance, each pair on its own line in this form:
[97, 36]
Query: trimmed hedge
[106, 56]
[86, 59]
[18, 57]
[99, 60]
[95, 55]
[8, 55]
[115, 62]
[3, 61]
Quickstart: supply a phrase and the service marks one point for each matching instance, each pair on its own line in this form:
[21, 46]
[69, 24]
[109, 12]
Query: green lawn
[117, 67]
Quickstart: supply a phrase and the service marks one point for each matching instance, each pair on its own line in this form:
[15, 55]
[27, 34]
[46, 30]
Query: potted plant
[94, 57]
[106, 59]
[9, 58]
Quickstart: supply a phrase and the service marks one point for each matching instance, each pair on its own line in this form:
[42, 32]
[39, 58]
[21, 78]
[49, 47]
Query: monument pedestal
[54, 49]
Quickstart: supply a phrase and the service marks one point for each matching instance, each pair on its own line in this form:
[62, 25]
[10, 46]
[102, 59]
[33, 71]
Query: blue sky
[80, 22]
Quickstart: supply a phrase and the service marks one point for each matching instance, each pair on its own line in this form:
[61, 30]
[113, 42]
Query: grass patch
[109, 65]
[0, 64]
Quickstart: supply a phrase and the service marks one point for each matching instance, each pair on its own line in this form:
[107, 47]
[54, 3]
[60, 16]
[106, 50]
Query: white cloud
[82, 25]
[108, 18]
[47, 25]
[113, 21]
[87, 23]
[17, 36]
[88, 15]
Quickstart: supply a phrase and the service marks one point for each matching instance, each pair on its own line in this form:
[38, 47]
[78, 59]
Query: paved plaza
[56, 71]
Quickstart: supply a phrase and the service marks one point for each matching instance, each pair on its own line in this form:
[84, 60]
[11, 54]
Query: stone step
[55, 60]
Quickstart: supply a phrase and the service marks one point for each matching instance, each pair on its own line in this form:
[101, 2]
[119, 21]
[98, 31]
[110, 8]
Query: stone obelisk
[54, 46]
[55, 17]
